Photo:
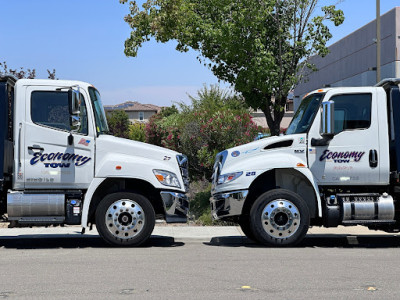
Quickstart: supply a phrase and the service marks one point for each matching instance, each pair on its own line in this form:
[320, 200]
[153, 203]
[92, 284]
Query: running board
[38, 220]
[367, 222]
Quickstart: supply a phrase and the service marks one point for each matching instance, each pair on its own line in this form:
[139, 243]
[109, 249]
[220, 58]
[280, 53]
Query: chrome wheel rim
[280, 219]
[125, 219]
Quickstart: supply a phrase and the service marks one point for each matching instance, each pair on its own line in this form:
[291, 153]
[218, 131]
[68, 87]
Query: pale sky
[84, 40]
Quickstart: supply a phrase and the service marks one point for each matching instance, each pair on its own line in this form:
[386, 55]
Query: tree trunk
[274, 116]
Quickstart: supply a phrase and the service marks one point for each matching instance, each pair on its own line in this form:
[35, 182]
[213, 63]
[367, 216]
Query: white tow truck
[61, 167]
[337, 164]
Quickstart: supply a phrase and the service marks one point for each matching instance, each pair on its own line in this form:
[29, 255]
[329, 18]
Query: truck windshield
[305, 114]
[98, 110]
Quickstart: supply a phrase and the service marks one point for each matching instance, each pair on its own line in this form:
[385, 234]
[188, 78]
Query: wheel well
[114, 185]
[288, 179]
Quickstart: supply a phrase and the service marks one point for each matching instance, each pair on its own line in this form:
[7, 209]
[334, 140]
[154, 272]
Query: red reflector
[118, 167]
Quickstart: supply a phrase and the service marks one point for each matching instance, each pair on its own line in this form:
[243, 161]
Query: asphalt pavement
[194, 262]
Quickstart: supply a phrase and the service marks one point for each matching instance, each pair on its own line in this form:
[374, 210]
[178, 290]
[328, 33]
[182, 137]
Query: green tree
[169, 110]
[260, 47]
[118, 122]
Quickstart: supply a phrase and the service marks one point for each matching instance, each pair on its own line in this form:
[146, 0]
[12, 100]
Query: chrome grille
[184, 167]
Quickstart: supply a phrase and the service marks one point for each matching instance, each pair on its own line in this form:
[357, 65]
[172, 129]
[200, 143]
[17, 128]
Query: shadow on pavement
[62, 241]
[317, 240]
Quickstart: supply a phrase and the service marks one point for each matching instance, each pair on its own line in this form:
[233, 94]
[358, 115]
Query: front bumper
[228, 204]
[176, 206]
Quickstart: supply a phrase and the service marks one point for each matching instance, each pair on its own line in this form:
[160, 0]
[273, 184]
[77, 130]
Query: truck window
[98, 110]
[305, 114]
[352, 111]
[50, 108]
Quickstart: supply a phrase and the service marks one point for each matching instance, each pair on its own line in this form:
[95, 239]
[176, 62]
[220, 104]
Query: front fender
[96, 182]
[129, 166]
[307, 173]
[255, 166]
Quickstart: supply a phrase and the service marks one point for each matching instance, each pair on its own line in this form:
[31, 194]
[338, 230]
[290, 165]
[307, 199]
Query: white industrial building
[352, 60]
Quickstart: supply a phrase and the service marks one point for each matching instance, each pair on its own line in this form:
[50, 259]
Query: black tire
[244, 223]
[125, 219]
[279, 218]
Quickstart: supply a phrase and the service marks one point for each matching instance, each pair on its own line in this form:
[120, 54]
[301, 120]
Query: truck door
[352, 156]
[54, 156]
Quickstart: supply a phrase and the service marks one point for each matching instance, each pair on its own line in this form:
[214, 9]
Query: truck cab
[337, 164]
[60, 165]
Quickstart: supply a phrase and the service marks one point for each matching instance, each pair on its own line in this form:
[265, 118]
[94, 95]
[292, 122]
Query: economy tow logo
[50, 159]
[342, 157]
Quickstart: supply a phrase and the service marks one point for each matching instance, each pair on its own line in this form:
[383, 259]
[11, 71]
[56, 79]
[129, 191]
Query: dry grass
[4, 225]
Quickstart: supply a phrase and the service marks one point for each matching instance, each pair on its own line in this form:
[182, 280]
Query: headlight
[167, 178]
[225, 178]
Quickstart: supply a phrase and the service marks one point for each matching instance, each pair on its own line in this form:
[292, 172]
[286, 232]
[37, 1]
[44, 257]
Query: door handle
[373, 158]
[35, 147]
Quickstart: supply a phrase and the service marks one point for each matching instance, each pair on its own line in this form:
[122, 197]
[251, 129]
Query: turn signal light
[160, 177]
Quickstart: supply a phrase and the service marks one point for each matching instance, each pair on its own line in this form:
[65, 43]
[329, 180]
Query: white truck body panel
[136, 159]
[346, 151]
[44, 169]
[254, 160]
[51, 160]
[345, 160]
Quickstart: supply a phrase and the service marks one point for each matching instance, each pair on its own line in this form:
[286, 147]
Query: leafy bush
[118, 122]
[200, 210]
[200, 193]
[211, 133]
[137, 132]
[215, 120]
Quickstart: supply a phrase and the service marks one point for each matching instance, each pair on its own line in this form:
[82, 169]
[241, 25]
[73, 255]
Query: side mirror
[328, 124]
[328, 118]
[74, 102]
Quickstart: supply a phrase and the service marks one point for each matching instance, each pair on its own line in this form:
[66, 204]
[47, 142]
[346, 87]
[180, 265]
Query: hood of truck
[123, 158]
[255, 158]
[116, 145]
[291, 144]
[269, 143]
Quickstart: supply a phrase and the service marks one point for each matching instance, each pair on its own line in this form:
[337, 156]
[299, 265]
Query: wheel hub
[280, 218]
[125, 219]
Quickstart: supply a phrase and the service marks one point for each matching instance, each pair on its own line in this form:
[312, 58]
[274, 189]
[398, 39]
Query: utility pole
[378, 41]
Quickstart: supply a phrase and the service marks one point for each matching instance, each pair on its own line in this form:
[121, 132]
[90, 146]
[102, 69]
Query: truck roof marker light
[320, 90]
[300, 165]
[118, 167]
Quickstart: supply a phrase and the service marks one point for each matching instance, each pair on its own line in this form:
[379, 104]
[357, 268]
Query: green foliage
[118, 122]
[260, 47]
[137, 132]
[200, 211]
[200, 205]
[215, 120]
[167, 111]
